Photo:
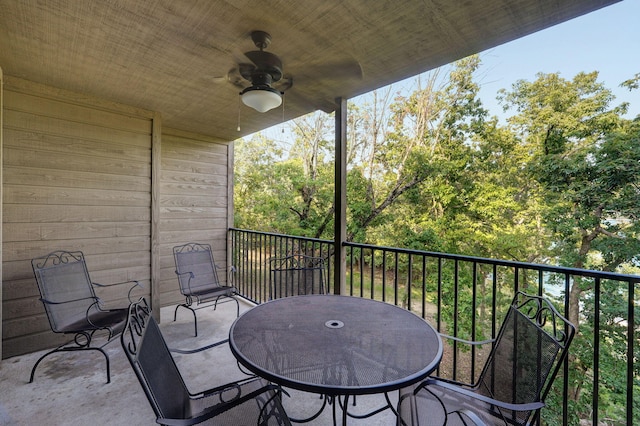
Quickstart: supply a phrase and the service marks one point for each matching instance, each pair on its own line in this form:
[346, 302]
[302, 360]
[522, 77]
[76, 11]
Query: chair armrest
[465, 342]
[231, 275]
[192, 275]
[185, 273]
[50, 302]
[468, 342]
[204, 348]
[135, 283]
[238, 384]
[469, 393]
[97, 306]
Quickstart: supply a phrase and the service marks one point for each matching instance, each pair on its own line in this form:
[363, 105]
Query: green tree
[586, 159]
[415, 145]
[255, 180]
[312, 151]
[287, 189]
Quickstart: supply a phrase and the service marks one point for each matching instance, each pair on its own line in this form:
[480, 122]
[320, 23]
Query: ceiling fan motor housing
[263, 63]
[261, 78]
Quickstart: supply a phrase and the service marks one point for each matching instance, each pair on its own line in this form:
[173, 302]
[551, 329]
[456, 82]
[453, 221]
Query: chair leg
[33, 370]
[195, 318]
[195, 323]
[63, 349]
[237, 307]
[215, 304]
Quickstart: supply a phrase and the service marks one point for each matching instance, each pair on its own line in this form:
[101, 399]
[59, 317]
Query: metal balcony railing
[467, 297]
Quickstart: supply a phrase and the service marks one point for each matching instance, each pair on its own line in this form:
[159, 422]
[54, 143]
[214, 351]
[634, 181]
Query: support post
[340, 201]
[1, 208]
[156, 157]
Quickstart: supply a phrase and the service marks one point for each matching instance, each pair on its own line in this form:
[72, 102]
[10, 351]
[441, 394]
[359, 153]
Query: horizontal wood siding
[77, 176]
[193, 202]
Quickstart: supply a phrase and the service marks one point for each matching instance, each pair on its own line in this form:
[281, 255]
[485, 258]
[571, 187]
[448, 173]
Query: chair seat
[113, 319]
[213, 292]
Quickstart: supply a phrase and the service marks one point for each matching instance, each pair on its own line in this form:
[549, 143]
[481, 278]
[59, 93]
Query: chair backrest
[151, 360]
[531, 345]
[297, 275]
[195, 268]
[65, 287]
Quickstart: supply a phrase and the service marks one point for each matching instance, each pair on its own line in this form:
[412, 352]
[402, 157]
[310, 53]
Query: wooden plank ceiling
[173, 56]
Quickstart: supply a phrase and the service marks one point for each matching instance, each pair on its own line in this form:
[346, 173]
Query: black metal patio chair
[198, 279]
[529, 350]
[71, 304]
[247, 402]
[296, 274]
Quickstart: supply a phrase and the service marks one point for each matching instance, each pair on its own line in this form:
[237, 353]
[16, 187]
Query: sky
[607, 41]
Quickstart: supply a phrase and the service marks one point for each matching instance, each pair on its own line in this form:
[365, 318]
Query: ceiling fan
[264, 72]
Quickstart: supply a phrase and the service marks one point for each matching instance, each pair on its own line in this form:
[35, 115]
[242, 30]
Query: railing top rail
[273, 234]
[509, 263]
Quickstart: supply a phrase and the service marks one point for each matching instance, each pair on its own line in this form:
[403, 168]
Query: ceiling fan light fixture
[261, 98]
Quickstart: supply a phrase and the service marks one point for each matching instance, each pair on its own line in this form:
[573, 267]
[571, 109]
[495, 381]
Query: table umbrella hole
[334, 324]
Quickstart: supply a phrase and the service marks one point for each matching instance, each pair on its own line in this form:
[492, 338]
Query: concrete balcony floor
[71, 388]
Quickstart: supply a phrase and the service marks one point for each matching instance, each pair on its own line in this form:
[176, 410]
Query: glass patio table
[337, 346]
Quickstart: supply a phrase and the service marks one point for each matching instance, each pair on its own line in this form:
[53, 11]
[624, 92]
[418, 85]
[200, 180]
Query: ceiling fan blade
[236, 77]
[233, 76]
[346, 69]
[245, 70]
[217, 79]
[315, 74]
[304, 104]
[285, 83]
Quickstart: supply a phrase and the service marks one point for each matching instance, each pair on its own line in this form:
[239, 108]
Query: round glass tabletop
[335, 345]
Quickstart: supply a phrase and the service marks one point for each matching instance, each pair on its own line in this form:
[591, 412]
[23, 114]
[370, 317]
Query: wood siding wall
[193, 202]
[80, 174]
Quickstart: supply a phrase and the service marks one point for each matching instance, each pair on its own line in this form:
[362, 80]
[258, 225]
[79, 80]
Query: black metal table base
[340, 403]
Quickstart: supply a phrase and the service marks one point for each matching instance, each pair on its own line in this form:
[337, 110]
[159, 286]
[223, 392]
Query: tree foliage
[558, 183]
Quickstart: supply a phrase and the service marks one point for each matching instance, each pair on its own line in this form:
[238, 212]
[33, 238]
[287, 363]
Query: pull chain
[239, 106]
[283, 98]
